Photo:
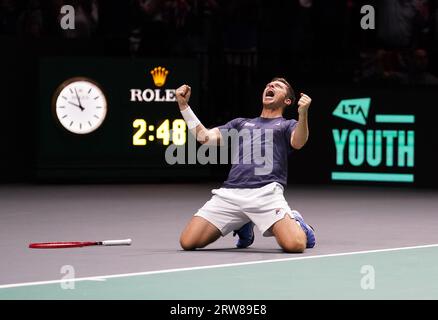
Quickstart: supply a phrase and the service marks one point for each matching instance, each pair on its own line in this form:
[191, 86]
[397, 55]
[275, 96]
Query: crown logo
[159, 75]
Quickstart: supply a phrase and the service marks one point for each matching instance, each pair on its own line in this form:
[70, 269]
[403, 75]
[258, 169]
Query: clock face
[80, 105]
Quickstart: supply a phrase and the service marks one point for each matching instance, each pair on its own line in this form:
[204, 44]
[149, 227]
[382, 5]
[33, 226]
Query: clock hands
[79, 100]
[76, 105]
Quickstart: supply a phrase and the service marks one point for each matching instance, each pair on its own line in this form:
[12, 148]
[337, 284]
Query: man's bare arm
[301, 133]
[202, 134]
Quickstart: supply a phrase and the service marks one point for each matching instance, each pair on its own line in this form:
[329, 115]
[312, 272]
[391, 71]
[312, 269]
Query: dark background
[239, 46]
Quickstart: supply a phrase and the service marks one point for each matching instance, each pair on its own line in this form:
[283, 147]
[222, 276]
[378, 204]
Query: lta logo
[381, 151]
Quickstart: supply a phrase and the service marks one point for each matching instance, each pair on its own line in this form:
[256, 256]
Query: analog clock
[79, 105]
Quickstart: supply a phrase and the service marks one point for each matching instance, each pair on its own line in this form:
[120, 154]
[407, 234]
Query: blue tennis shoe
[246, 235]
[308, 230]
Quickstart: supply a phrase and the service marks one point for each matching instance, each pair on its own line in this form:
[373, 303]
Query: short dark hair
[290, 90]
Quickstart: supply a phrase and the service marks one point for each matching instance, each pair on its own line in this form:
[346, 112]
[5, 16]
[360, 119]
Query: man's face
[275, 95]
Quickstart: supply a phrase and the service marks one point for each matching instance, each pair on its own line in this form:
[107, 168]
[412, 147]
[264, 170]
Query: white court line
[94, 279]
[122, 275]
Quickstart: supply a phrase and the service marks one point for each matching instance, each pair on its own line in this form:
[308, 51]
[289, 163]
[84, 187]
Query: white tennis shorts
[229, 209]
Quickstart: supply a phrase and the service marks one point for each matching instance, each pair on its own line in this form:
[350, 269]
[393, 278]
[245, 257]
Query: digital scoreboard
[112, 118]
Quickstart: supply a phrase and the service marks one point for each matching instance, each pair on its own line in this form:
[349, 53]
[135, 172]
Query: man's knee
[187, 243]
[198, 234]
[289, 235]
[296, 245]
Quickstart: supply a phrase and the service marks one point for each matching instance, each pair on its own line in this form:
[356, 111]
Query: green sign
[381, 150]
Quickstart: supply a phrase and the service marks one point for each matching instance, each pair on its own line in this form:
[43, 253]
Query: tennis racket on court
[76, 244]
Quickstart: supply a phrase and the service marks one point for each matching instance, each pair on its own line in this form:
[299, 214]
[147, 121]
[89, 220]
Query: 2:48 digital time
[144, 131]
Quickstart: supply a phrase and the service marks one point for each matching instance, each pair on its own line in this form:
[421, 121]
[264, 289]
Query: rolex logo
[159, 75]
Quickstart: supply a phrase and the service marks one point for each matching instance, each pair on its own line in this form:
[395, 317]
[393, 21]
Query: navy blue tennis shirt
[255, 169]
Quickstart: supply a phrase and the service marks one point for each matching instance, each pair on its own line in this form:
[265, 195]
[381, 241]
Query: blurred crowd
[406, 40]
[318, 34]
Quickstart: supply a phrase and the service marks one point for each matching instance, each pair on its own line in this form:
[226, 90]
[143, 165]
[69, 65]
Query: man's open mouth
[270, 94]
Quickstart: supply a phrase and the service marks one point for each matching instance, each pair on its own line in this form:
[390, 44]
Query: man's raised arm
[301, 132]
[202, 134]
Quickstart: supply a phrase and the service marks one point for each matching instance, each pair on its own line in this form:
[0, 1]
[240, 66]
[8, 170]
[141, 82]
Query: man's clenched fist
[183, 96]
[304, 103]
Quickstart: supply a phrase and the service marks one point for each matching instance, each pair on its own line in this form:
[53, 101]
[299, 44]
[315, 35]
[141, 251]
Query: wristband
[190, 118]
